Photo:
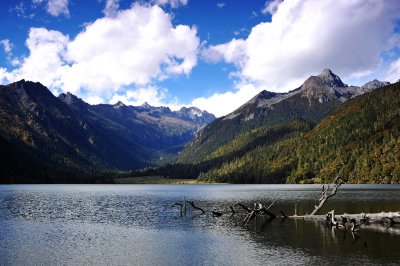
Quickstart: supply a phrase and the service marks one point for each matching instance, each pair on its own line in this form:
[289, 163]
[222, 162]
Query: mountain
[360, 141]
[311, 102]
[66, 135]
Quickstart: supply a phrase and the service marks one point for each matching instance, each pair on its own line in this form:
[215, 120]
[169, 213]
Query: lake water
[135, 225]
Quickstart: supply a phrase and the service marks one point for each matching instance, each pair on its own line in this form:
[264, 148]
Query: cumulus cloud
[271, 6]
[55, 7]
[393, 73]
[221, 104]
[138, 45]
[171, 3]
[113, 54]
[233, 52]
[7, 46]
[307, 36]
[111, 8]
[46, 60]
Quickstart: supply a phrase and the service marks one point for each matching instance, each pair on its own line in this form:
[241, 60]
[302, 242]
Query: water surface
[135, 225]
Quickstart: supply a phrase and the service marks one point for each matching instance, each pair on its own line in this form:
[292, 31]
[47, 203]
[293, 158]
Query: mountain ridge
[312, 101]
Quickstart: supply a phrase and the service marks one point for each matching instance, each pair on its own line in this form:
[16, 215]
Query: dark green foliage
[223, 130]
[362, 138]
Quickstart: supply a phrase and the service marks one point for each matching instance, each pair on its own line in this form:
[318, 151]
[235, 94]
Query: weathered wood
[258, 208]
[373, 218]
[241, 205]
[326, 195]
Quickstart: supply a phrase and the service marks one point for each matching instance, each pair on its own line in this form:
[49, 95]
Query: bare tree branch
[326, 195]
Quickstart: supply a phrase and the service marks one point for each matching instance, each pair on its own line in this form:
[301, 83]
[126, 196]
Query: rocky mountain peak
[331, 79]
[72, 100]
[374, 84]
[265, 95]
[119, 104]
[146, 105]
[32, 88]
[195, 114]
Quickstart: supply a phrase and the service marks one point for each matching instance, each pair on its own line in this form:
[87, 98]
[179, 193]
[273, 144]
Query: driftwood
[240, 205]
[344, 221]
[258, 208]
[326, 194]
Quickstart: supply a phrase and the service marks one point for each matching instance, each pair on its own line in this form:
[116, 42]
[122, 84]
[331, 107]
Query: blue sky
[215, 55]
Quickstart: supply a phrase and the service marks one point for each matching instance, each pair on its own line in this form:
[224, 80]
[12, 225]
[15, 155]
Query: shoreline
[160, 180]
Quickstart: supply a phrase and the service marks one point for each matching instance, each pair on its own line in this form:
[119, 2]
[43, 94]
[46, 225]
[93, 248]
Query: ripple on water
[135, 225]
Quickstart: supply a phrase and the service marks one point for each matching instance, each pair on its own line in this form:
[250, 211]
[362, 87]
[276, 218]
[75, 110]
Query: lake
[135, 225]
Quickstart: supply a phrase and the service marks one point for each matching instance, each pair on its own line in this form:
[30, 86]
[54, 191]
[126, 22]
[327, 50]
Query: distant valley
[64, 139]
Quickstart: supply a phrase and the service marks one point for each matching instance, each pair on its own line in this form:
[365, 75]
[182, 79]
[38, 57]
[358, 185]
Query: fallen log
[372, 217]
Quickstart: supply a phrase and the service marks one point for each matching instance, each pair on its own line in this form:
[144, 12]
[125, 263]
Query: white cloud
[94, 99]
[171, 3]
[306, 36]
[271, 6]
[4, 75]
[221, 104]
[46, 60]
[135, 47]
[111, 56]
[55, 7]
[393, 73]
[150, 94]
[111, 8]
[7, 46]
[233, 52]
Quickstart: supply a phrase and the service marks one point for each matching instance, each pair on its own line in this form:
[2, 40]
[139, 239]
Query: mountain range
[312, 101]
[52, 139]
[312, 134]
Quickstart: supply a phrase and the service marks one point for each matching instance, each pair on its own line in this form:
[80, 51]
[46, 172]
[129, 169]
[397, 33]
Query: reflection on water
[125, 225]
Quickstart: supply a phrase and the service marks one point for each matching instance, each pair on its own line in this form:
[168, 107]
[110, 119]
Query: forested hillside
[312, 101]
[360, 140]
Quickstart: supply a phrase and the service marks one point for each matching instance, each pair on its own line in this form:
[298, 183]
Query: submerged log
[195, 207]
[258, 208]
[370, 218]
[241, 205]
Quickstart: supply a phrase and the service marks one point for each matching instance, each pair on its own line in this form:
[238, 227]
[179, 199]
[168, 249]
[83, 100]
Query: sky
[215, 55]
